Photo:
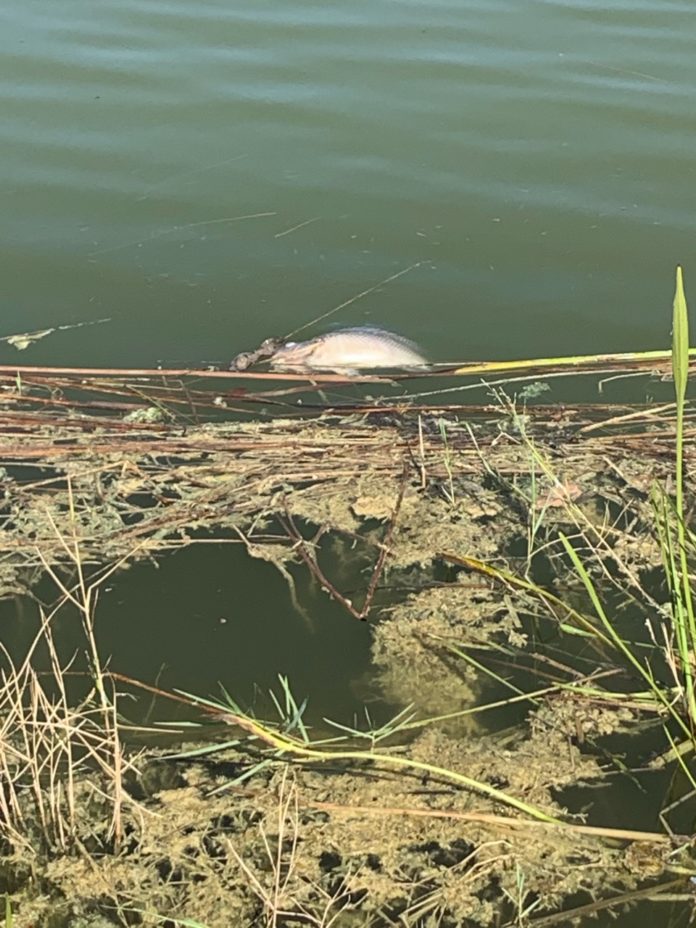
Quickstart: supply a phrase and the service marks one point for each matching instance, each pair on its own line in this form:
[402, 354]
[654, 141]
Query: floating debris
[348, 351]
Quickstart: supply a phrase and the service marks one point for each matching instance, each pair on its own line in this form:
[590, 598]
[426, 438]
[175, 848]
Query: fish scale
[350, 350]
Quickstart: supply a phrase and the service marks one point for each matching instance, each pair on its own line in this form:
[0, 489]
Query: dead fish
[265, 351]
[348, 351]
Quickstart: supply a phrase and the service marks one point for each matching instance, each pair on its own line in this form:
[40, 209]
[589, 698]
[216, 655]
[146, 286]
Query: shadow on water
[208, 616]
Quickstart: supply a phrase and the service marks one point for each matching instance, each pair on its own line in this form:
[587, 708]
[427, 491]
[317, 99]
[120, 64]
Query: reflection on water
[538, 155]
[207, 617]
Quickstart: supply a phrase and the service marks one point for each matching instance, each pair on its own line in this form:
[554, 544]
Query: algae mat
[437, 819]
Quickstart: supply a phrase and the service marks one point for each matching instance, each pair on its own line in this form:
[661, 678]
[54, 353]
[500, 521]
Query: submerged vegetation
[539, 564]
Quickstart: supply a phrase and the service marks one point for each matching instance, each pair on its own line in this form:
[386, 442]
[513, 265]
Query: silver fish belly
[348, 351]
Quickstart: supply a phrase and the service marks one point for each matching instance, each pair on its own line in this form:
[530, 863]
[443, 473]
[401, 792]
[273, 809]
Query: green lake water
[539, 155]
[536, 158]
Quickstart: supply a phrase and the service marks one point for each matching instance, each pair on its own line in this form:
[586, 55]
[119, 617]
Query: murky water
[204, 175]
[537, 154]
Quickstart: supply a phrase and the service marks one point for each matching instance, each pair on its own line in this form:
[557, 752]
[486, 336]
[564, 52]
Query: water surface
[538, 155]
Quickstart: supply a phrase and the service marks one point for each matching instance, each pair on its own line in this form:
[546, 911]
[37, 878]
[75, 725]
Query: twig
[384, 549]
[301, 548]
[355, 298]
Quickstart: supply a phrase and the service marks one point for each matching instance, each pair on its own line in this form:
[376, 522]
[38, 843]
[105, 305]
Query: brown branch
[384, 549]
[301, 547]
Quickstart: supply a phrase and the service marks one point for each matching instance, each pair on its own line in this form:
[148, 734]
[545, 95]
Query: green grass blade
[684, 617]
[680, 339]
[566, 361]
[481, 668]
[643, 669]
[528, 586]
[677, 754]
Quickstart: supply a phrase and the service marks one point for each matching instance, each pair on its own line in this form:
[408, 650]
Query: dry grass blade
[50, 749]
[650, 892]
[287, 746]
[277, 893]
[60, 750]
[137, 489]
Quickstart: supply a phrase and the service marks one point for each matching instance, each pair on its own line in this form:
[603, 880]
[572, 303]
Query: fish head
[293, 356]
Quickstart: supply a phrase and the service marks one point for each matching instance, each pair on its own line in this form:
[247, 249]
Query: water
[205, 618]
[537, 153]
[535, 156]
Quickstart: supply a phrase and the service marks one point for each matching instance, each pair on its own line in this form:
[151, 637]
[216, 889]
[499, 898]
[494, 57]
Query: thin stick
[300, 225]
[311, 562]
[355, 298]
[649, 892]
[188, 225]
[564, 366]
[12, 370]
[384, 549]
[486, 818]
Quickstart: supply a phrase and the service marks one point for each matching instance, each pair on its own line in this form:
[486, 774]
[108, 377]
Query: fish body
[348, 351]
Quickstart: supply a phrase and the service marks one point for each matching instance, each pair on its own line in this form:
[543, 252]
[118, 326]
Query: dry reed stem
[280, 847]
[226, 476]
[654, 892]
[49, 743]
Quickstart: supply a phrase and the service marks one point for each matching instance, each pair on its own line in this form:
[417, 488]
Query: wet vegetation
[527, 571]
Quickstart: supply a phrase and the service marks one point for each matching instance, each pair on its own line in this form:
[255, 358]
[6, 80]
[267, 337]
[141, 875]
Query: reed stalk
[683, 606]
